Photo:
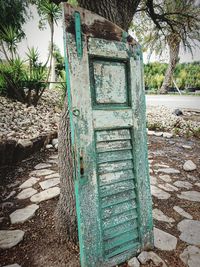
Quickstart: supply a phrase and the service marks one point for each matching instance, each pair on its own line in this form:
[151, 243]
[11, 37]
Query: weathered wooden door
[107, 109]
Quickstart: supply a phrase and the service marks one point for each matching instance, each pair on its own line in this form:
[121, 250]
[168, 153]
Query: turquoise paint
[78, 34]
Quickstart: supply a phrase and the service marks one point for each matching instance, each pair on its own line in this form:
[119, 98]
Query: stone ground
[30, 192]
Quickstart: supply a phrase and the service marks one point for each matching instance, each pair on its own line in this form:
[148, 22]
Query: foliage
[186, 75]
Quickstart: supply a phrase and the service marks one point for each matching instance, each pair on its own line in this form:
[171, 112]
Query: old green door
[107, 110]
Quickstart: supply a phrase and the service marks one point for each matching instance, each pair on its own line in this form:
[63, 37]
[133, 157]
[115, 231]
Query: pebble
[166, 178]
[26, 193]
[160, 216]
[145, 256]
[45, 195]
[29, 183]
[163, 240]
[158, 134]
[190, 231]
[182, 212]
[54, 141]
[189, 166]
[190, 195]
[133, 262]
[169, 171]
[186, 147]
[10, 238]
[159, 193]
[43, 172]
[42, 166]
[191, 256]
[183, 184]
[22, 215]
[49, 183]
[49, 146]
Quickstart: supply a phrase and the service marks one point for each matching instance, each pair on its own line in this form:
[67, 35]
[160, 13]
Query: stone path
[176, 196]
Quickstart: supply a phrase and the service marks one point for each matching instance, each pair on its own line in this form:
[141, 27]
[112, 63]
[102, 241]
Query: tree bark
[174, 45]
[121, 13]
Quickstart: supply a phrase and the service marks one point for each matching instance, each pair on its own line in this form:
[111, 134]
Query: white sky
[40, 39]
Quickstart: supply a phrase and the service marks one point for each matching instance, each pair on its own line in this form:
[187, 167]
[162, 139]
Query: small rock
[183, 184]
[190, 231]
[158, 134]
[169, 171]
[160, 216]
[49, 146]
[29, 183]
[182, 212]
[56, 146]
[22, 215]
[168, 135]
[42, 166]
[190, 195]
[54, 141]
[153, 180]
[166, 178]
[163, 240]
[26, 193]
[189, 166]
[10, 238]
[42, 172]
[46, 194]
[133, 262]
[168, 187]
[145, 256]
[159, 193]
[49, 183]
[186, 147]
[177, 112]
[191, 256]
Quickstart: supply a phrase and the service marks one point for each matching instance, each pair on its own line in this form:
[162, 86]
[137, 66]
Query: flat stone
[54, 175]
[191, 177]
[183, 184]
[22, 215]
[186, 146]
[190, 231]
[42, 166]
[182, 212]
[159, 193]
[169, 171]
[168, 135]
[10, 238]
[29, 183]
[133, 262]
[189, 166]
[150, 132]
[13, 265]
[49, 183]
[26, 193]
[54, 156]
[160, 216]
[197, 184]
[153, 180]
[46, 194]
[163, 240]
[145, 256]
[190, 195]
[42, 172]
[191, 256]
[166, 178]
[158, 134]
[53, 161]
[161, 165]
[168, 187]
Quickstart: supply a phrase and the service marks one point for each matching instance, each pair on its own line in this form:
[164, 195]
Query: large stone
[191, 256]
[26, 193]
[29, 183]
[183, 184]
[42, 166]
[190, 195]
[189, 166]
[160, 216]
[169, 171]
[182, 212]
[163, 240]
[145, 256]
[10, 238]
[159, 193]
[42, 172]
[133, 262]
[190, 231]
[49, 183]
[168, 187]
[46, 194]
[22, 215]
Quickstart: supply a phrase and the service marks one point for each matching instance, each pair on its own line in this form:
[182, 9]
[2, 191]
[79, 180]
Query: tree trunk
[174, 44]
[121, 13]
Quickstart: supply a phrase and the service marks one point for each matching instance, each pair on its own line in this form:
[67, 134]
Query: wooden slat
[123, 248]
[117, 199]
[113, 145]
[116, 188]
[117, 209]
[120, 229]
[119, 240]
[113, 221]
[114, 156]
[115, 166]
[115, 177]
[111, 135]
